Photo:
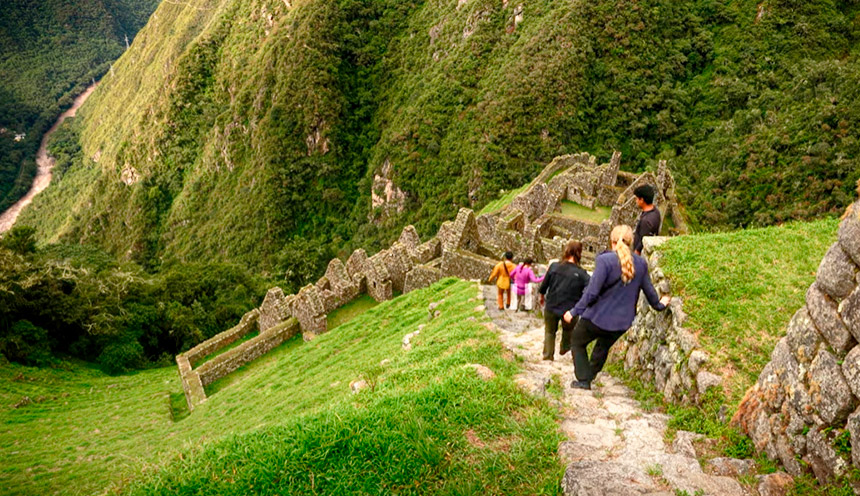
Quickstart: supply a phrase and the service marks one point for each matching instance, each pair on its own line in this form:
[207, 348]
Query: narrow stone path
[613, 447]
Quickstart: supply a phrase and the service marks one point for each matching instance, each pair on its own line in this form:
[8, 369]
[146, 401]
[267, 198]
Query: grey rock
[836, 273]
[357, 385]
[706, 380]
[851, 370]
[407, 340]
[825, 316]
[822, 458]
[785, 453]
[853, 426]
[802, 336]
[849, 235]
[605, 478]
[831, 395]
[696, 360]
[683, 443]
[731, 467]
[849, 310]
[776, 484]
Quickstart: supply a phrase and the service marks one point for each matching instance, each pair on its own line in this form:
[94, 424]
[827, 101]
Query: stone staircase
[613, 446]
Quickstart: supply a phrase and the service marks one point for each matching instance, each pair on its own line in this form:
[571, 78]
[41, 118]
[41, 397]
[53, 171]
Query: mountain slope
[270, 132]
[51, 50]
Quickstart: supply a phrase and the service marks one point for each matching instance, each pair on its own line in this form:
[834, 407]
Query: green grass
[596, 215]
[287, 423]
[740, 290]
[350, 311]
[503, 201]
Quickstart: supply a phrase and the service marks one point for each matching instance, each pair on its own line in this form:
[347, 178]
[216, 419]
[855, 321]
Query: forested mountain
[50, 51]
[276, 133]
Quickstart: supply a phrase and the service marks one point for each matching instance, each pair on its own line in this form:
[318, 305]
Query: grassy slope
[741, 289]
[289, 423]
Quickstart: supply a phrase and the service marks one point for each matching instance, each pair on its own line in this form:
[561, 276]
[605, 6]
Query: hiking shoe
[580, 385]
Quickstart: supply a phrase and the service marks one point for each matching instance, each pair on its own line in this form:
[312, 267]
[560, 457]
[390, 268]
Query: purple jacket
[610, 304]
[523, 275]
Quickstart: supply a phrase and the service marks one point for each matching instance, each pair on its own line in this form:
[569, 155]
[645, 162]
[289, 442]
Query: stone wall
[467, 247]
[659, 348]
[810, 390]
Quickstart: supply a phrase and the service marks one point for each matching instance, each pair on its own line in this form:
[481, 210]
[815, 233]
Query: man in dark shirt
[649, 220]
[562, 286]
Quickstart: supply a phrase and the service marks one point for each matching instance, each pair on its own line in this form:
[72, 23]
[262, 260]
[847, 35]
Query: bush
[26, 343]
[121, 357]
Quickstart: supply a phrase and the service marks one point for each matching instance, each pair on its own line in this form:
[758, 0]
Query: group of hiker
[600, 307]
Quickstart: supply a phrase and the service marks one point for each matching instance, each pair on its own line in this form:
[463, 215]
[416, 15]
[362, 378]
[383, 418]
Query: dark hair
[646, 192]
[573, 249]
[509, 255]
[528, 261]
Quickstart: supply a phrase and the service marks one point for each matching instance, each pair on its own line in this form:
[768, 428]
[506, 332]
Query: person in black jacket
[561, 289]
[649, 219]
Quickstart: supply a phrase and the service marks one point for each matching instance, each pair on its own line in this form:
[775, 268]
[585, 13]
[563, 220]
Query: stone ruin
[467, 247]
[810, 390]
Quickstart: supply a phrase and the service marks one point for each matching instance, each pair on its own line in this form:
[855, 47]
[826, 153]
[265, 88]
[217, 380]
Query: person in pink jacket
[522, 275]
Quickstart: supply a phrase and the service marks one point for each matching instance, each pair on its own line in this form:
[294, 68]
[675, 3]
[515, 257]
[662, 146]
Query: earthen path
[613, 446]
[44, 162]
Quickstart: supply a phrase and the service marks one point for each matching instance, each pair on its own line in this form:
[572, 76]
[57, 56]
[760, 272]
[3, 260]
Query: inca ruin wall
[809, 393]
[467, 247]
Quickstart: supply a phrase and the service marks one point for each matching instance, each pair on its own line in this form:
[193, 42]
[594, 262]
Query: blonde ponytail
[625, 256]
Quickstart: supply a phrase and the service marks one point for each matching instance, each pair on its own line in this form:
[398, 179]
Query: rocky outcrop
[809, 393]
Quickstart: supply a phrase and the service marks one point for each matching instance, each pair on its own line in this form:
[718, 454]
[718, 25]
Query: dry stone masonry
[467, 247]
[809, 392]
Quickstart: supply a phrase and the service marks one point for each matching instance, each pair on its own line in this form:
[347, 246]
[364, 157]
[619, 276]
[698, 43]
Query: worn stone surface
[731, 467]
[849, 311]
[608, 478]
[853, 426]
[421, 276]
[836, 273]
[849, 235]
[466, 265]
[462, 234]
[822, 458]
[706, 380]
[776, 484]
[851, 370]
[825, 317]
[831, 395]
[802, 336]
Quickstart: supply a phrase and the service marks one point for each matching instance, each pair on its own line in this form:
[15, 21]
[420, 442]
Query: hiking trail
[613, 446]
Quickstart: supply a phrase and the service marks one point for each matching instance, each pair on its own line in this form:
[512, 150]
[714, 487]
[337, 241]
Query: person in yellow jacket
[502, 275]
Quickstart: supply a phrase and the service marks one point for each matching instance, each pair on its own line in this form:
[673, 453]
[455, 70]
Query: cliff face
[806, 398]
[267, 131]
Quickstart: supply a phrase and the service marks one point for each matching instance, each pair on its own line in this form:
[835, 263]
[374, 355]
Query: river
[44, 162]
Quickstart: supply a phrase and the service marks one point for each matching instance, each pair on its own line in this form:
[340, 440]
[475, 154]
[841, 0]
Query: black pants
[551, 321]
[584, 333]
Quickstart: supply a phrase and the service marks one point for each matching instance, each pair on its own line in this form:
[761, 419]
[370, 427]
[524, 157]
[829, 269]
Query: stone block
[825, 316]
[465, 265]
[853, 426]
[421, 276]
[696, 360]
[851, 370]
[706, 380]
[787, 456]
[831, 395]
[836, 273]
[803, 337]
[826, 464]
[308, 307]
[849, 235]
[849, 311]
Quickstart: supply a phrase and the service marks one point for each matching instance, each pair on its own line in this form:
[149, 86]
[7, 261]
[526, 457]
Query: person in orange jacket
[502, 275]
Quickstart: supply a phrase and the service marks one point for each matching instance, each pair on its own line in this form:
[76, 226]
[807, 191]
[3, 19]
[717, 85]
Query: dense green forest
[252, 132]
[52, 50]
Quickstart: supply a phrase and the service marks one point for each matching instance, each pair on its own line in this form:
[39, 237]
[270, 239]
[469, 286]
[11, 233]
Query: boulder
[836, 273]
[592, 478]
[853, 426]
[849, 235]
[825, 317]
[831, 395]
[731, 467]
[851, 370]
[802, 336]
[822, 458]
[706, 380]
[776, 484]
[849, 310]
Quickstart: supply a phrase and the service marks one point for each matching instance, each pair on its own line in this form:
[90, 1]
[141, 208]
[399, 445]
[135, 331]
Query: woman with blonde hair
[608, 305]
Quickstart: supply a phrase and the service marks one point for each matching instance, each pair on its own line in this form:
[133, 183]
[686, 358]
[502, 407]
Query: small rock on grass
[483, 371]
[357, 385]
[776, 484]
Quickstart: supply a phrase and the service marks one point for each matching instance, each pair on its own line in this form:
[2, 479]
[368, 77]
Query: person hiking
[502, 274]
[561, 289]
[608, 305]
[522, 276]
[649, 219]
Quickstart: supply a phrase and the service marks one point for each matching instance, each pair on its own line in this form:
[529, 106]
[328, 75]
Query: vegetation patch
[597, 214]
[289, 423]
[502, 201]
[349, 311]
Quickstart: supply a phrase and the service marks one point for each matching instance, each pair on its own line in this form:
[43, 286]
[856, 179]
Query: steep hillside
[51, 50]
[288, 422]
[269, 132]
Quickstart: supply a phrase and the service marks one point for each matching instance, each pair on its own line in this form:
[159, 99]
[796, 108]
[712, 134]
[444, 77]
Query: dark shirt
[609, 303]
[563, 286]
[647, 225]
